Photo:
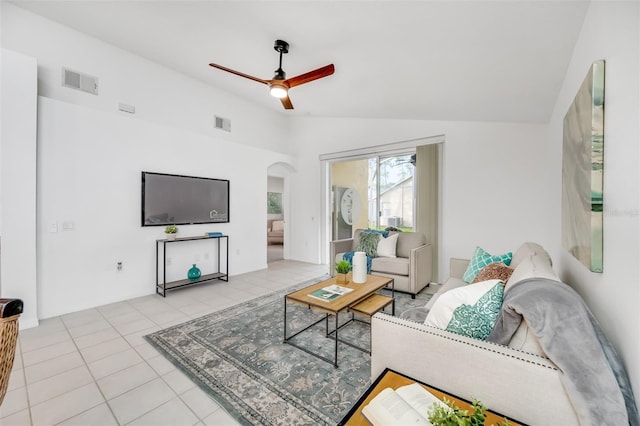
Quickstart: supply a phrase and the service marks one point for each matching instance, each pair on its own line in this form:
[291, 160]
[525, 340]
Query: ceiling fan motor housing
[281, 46]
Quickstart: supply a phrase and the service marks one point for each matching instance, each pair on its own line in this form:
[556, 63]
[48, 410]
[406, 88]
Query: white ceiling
[437, 60]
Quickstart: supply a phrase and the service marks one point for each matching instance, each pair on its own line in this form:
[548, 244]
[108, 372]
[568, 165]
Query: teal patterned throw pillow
[478, 320]
[368, 243]
[481, 259]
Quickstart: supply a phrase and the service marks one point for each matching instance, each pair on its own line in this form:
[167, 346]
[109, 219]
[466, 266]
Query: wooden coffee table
[364, 300]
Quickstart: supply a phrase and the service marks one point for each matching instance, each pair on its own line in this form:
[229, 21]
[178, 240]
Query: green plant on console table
[171, 229]
[343, 267]
[454, 416]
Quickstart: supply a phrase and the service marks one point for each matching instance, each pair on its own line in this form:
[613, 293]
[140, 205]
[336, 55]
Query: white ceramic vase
[359, 267]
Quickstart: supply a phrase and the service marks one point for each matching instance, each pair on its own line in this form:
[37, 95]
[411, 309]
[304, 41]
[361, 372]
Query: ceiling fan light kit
[279, 85]
[278, 91]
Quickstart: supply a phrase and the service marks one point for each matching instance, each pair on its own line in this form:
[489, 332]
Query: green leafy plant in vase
[450, 415]
[342, 269]
[170, 231]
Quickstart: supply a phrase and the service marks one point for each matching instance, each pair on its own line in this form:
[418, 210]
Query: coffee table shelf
[372, 304]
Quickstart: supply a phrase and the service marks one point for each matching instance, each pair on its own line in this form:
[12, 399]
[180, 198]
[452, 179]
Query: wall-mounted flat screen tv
[181, 200]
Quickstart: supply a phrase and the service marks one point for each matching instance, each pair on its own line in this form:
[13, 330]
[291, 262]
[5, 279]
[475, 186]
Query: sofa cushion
[481, 259]
[368, 243]
[387, 246]
[390, 265]
[408, 241]
[450, 284]
[527, 249]
[494, 271]
[277, 226]
[470, 310]
[524, 340]
[534, 266]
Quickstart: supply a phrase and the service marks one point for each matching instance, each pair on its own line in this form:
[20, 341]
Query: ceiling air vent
[76, 80]
[223, 124]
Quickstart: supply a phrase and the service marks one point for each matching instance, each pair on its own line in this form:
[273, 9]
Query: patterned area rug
[238, 356]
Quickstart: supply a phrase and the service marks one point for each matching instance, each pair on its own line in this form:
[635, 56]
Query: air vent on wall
[223, 124]
[76, 80]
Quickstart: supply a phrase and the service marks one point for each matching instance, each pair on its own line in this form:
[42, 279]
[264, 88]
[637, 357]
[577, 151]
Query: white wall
[159, 94]
[495, 180]
[610, 32]
[90, 157]
[89, 165]
[18, 182]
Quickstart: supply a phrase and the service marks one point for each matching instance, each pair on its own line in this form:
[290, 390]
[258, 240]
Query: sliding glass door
[373, 192]
[391, 192]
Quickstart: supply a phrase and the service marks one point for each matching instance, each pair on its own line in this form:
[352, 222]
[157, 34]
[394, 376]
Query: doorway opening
[275, 219]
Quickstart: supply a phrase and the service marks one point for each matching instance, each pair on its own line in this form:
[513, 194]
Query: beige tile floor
[93, 367]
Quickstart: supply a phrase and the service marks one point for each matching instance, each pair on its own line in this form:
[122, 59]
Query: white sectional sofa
[517, 380]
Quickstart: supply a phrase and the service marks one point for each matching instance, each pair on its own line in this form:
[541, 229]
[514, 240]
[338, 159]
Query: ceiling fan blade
[250, 77]
[286, 102]
[311, 75]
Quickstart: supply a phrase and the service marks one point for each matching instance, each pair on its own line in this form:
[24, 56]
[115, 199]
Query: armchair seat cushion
[391, 265]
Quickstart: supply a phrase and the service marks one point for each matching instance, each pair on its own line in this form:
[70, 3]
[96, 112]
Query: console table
[162, 286]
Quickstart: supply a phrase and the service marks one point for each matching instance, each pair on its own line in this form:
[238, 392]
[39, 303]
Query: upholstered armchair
[408, 262]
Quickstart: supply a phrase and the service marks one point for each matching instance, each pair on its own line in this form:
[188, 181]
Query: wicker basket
[8, 338]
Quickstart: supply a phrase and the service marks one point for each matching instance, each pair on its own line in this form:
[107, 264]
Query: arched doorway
[277, 197]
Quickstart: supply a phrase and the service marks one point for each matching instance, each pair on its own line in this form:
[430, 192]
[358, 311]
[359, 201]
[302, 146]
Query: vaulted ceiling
[435, 60]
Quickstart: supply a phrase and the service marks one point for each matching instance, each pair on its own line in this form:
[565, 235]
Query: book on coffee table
[330, 293]
[407, 405]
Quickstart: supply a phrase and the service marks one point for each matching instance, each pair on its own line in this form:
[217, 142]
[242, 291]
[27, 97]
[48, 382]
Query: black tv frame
[142, 205]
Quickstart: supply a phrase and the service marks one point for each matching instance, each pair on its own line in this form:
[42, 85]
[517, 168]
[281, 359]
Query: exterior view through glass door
[375, 192]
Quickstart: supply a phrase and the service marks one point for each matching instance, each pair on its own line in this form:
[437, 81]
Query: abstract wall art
[582, 171]
[274, 202]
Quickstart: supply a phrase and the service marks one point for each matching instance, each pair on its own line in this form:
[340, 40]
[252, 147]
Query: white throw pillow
[387, 246]
[470, 311]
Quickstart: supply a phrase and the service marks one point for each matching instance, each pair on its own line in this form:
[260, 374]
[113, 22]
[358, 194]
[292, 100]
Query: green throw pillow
[478, 320]
[481, 259]
[368, 243]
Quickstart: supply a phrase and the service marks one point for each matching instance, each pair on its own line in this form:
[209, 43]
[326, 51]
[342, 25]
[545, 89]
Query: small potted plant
[449, 414]
[170, 231]
[342, 269]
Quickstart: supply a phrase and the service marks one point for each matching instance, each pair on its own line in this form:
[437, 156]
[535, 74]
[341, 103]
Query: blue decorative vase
[194, 273]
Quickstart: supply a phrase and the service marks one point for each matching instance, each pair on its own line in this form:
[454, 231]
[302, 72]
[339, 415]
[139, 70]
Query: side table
[392, 379]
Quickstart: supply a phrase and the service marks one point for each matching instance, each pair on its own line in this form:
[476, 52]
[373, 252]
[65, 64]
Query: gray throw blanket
[593, 375]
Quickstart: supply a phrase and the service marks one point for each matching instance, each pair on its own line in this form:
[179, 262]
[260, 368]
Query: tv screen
[181, 200]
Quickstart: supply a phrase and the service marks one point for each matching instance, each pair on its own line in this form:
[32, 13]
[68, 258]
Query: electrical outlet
[119, 266]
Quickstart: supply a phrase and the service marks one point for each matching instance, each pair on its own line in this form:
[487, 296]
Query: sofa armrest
[335, 247]
[420, 268]
[457, 267]
[519, 385]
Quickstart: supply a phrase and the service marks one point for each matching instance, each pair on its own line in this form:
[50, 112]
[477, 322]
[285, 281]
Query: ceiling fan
[280, 84]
